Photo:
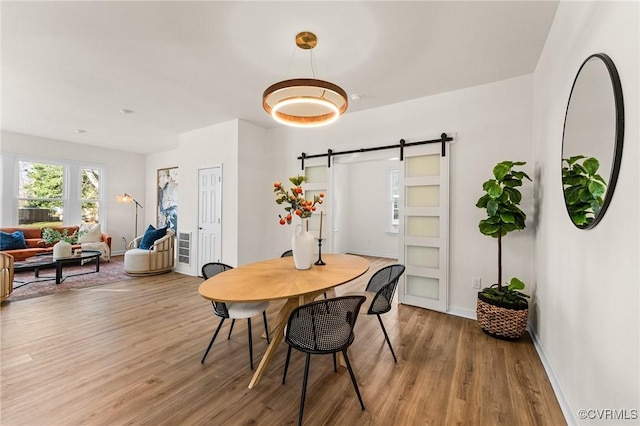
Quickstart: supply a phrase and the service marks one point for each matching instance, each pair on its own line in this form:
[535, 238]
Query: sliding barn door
[318, 180]
[424, 227]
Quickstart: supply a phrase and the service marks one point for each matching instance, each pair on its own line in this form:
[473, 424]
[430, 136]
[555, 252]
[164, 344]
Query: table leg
[276, 337]
[277, 333]
[58, 272]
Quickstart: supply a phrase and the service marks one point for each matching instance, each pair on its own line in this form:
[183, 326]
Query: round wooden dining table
[277, 279]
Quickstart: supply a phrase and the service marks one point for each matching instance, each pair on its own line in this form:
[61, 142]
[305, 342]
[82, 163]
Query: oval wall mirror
[592, 140]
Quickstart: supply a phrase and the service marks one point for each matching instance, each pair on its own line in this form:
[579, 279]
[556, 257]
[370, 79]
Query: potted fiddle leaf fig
[502, 310]
[584, 189]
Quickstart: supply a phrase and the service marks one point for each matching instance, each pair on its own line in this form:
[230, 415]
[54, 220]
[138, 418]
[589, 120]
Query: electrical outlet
[476, 282]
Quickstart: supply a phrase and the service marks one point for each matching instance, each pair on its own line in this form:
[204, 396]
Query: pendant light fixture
[305, 102]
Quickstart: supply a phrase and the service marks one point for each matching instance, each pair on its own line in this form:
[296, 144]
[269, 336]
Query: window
[394, 200]
[51, 194]
[89, 194]
[40, 193]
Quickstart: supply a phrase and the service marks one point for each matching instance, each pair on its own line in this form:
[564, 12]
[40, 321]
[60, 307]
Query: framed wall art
[168, 198]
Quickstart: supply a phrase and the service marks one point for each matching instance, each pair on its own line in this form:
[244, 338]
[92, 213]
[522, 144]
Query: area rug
[26, 286]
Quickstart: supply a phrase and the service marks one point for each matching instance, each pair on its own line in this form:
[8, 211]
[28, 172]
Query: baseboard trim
[553, 379]
[462, 312]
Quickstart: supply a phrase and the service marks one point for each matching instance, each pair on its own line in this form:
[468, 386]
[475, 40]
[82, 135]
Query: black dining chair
[322, 327]
[379, 293]
[234, 310]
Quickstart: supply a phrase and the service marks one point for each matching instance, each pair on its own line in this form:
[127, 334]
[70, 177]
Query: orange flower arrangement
[297, 204]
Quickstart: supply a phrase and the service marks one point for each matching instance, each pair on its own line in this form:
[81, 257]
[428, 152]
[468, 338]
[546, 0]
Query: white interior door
[209, 215]
[424, 227]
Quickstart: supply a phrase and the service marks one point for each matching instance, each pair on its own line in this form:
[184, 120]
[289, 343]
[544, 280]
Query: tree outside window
[43, 199]
[89, 194]
[40, 193]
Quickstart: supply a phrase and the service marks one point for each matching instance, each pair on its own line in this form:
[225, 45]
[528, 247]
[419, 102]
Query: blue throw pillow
[13, 241]
[150, 236]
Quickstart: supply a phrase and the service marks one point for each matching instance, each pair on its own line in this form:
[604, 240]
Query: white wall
[202, 148]
[255, 183]
[586, 304]
[490, 123]
[125, 173]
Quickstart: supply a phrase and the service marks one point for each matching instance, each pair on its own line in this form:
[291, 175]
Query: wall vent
[184, 247]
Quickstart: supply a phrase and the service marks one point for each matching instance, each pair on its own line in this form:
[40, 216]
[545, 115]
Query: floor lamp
[126, 198]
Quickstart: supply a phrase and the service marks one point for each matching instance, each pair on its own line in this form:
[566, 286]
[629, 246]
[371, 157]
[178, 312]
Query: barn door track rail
[402, 145]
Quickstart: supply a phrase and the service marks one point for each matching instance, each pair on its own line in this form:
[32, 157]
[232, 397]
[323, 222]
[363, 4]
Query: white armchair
[160, 257]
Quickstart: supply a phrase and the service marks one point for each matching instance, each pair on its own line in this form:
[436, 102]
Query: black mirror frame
[619, 135]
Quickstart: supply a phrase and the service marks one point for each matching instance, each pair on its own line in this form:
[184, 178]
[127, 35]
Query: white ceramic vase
[61, 249]
[302, 245]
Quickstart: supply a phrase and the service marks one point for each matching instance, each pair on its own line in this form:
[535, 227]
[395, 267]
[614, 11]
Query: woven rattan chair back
[209, 270]
[323, 327]
[384, 283]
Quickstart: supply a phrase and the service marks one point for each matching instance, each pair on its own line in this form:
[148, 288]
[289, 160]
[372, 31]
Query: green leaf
[519, 163]
[579, 218]
[508, 227]
[508, 218]
[487, 228]
[494, 190]
[599, 178]
[585, 195]
[494, 220]
[511, 183]
[575, 180]
[572, 195]
[572, 160]
[596, 188]
[515, 284]
[579, 170]
[591, 165]
[501, 170]
[482, 202]
[514, 195]
[520, 221]
[492, 207]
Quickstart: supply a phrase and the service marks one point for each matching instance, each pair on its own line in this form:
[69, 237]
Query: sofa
[36, 244]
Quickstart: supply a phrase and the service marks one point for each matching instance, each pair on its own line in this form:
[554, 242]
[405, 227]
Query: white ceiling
[186, 65]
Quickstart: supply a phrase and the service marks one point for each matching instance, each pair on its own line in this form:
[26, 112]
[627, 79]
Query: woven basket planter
[499, 321]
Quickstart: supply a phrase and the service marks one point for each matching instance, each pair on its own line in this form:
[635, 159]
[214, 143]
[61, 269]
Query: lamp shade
[305, 102]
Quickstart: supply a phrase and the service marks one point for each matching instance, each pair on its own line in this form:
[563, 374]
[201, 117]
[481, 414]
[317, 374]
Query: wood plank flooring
[129, 353]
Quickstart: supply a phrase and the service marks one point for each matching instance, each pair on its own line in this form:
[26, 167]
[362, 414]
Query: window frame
[71, 188]
[393, 200]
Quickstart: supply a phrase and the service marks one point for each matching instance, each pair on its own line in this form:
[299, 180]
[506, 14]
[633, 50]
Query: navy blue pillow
[13, 241]
[150, 236]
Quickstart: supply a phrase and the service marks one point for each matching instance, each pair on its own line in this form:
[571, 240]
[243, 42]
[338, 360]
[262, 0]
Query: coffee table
[43, 260]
